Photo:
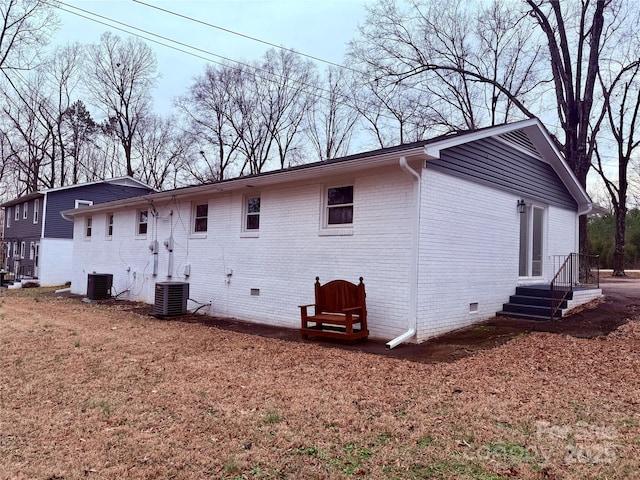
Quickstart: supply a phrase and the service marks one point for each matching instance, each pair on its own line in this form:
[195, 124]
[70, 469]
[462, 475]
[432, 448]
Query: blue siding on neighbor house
[23, 227]
[494, 163]
[58, 201]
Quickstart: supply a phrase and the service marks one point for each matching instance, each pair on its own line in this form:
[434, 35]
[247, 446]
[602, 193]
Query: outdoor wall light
[521, 206]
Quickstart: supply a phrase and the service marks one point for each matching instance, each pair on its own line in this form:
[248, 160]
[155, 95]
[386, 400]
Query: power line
[248, 37]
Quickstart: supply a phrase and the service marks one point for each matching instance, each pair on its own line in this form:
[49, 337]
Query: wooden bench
[340, 307]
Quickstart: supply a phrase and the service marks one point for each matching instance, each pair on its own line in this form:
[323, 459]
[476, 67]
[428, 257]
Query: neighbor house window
[16, 215]
[109, 224]
[88, 223]
[252, 213]
[36, 210]
[8, 249]
[32, 250]
[8, 216]
[143, 220]
[201, 213]
[339, 205]
[83, 203]
[23, 247]
[25, 208]
[15, 249]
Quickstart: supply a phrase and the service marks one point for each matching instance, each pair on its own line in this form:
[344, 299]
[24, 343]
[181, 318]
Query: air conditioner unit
[99, 286]
[171, 299]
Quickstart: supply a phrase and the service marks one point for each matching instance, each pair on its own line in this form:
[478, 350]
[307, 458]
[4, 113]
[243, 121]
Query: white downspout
[413, 268]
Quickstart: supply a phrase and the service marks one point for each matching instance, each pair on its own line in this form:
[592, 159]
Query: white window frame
[32, 249]
[36, 210]
[16, 252]
[83, 203]
[336, 228]
[8, 244]
[25, 210]
[194, 224]
[108, 230]
[139, 223]
[16, 213]
[88, 227]
[8, 213]
[23, 247]
[246, 214]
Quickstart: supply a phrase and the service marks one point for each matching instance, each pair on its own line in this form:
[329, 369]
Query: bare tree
[162, 151]
[25, 28]
[622, 102]
[420, 42]
[206, 108]
[79, 135]
[120, 77]
[331, 123]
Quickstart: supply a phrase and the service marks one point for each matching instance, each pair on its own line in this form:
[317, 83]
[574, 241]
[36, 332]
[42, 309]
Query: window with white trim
[339, 206]
[16, 213]
[8, 213]
[25, 210]
[36, 210]
[142, 222]
[252, 214]
[32, 250]
[83, 203]
[23, 247]
[16, 252]
[200, 217]
[109, 229]
[8, 244]
[88, 226]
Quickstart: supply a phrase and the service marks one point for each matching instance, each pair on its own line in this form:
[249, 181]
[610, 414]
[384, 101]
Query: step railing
[575, 270]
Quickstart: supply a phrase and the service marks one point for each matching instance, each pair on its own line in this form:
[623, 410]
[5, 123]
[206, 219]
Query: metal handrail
[577, 270]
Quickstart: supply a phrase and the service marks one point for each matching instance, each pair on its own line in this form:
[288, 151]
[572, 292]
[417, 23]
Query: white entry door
[531, 241]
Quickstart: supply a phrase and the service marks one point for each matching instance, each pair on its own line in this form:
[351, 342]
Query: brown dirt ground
[107, 391]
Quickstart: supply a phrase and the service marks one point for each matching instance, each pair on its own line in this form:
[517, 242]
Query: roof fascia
[277, 177]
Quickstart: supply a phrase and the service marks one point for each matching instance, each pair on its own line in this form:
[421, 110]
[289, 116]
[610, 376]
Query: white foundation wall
[55, 261]
[265, 278]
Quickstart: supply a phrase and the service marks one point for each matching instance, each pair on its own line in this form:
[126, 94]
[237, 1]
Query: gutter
[413, 271]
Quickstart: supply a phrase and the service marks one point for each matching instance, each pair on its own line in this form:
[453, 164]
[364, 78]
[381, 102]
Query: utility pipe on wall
[413, 268]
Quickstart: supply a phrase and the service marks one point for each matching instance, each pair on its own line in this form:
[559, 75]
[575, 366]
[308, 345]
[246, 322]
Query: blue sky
[320, 28]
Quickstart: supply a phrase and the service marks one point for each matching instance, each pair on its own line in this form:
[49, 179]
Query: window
[15, 249]
[143, 219]
[109, 228]
[36, 210]
[16, 215]
[88, 223]
[32, 250]
[25, 208]
[8, 214]
[8, 244]
[200, 214]
[23, 247]
[253, 213]
[83, 203]
[339, 206]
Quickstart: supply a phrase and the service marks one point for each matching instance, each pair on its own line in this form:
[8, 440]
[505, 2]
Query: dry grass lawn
[96, 391]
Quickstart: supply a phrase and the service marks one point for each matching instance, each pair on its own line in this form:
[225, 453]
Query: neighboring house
[434, 227]
[38, 241]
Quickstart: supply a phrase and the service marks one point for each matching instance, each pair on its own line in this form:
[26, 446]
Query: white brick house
[433, 227]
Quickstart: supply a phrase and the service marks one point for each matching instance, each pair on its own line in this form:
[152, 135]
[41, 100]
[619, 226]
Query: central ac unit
[99, 286]
[171, 299]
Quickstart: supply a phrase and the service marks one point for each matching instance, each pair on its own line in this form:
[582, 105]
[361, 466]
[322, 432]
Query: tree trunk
[618, 252]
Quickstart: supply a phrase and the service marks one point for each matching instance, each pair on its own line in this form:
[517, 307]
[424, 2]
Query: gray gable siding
[58, 227]
[24, 228]
[494, 163]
